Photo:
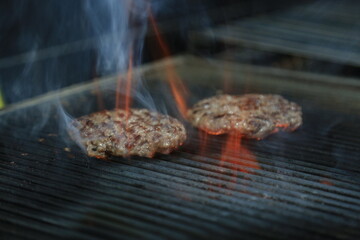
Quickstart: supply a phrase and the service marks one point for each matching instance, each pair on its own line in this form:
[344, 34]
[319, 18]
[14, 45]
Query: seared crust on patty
[140, 132]
[251, 115]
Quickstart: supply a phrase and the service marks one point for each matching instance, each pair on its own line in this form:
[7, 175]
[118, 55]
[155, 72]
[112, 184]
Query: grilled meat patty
[140, 132]
[251, 115]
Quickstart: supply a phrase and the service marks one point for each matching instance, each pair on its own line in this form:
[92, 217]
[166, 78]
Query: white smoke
[121, 26]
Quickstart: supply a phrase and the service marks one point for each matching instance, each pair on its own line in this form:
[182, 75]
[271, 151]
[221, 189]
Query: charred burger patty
[138, 132]
[251, 115]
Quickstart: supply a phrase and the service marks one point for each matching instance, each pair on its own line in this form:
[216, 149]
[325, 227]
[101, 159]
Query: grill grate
[48, 192]
[324, 30]
[306, 185]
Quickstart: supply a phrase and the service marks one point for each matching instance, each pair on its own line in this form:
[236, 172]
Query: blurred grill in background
[54, 44]
[321, 36]
[299, 185]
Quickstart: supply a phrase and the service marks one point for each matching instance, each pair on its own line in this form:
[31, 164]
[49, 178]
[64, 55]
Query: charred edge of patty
[170, 133]
[252, 119]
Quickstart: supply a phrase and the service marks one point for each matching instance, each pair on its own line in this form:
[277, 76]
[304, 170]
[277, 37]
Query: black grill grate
[307, 186]
[323, 30]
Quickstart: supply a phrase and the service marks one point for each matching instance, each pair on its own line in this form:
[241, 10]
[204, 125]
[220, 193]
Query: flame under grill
[48, 192]
[307, 185]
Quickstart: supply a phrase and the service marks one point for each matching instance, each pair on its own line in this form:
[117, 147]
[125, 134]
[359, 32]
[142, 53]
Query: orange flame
[203, 137]
[128, 83]
[118, 99]
[124, 101]
[99, 95]
[98, 91]
[178, 89]
[234, 150]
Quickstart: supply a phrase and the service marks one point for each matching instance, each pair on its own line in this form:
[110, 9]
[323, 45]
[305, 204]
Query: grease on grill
[251, 115]
[139, 132]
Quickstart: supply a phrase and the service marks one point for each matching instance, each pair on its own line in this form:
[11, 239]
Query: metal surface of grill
[304, 184]
[324, 30]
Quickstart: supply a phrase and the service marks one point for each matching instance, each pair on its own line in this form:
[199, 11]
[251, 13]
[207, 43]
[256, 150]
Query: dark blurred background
[47, 45]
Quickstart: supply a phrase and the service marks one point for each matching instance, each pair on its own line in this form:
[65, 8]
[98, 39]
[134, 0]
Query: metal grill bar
[312, 169]
[316, 144]
[51, 191]
[219, 176]
[301, 166]
[138, 196]
[316, 30]
[313, 151]
[341, 181]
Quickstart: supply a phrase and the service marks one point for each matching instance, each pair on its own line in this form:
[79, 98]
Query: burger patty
[140, 132]
[251, 115]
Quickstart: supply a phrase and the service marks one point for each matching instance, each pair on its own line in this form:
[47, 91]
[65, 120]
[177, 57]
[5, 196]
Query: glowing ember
[326, 182]
[178, 89]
